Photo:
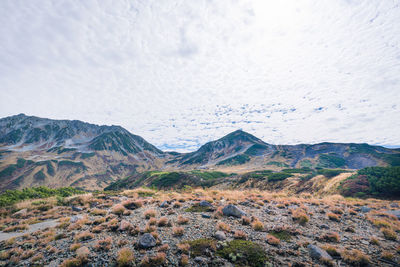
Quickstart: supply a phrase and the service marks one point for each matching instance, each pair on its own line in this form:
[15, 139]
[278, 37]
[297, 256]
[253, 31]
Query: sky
[182, 73]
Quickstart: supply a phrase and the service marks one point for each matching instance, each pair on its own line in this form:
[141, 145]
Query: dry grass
[246, 220]
[125, 257]
[300, 216]
[104, 244]
[387, 255]
[257, 225]
[389, 234]
[163, 221]
[333, 251]
[330, 237]
[184, 260]
[98, 212]
[355, 258]
[178, 231]
[150, 213]
[183, 247]
[333, 217]
[240, 235]
[157, 260]
[83, 236]
[182, 220]
[118, 210]
[75, 246]
[223, 227]
[272, 240]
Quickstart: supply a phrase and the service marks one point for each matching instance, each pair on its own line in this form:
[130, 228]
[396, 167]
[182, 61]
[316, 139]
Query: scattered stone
[394, 205]
[270, 212]
[205, 203]
[21, 214]
[200, 260]
[232, 210]
[164, 204]
[125, 226]
[318, 253]
[77, 209]
[75, 218]
[365, 209]
[395, 213]
[220, 235]
[146, 241]
[206, 216]
[324, 226]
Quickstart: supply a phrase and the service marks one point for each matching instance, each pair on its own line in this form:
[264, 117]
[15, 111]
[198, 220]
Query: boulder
[21, 214]
[204, 203]
[394, 205]
[324, 226]
[206, 216]
[365, 209]
[318, 253]
[75, 218]
[146, 241]
[220, 235]
[164, 204]
[232, 210]
[77, 209]
[395, 213]
[124, 225]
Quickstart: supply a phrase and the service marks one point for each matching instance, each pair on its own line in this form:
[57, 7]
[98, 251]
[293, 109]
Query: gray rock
[146, 241]
[232, 210]
[220, 235]
[270, 212]
[394, 205]
[164, 204]
[318, 253]
[395, 213]
[75, 218]
[324, 226]
[200, 260]
[78, 209]
[206, 216]
[20, 214]
[365, 209]
[204, 203]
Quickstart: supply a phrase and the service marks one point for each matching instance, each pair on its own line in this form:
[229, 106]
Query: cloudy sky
[181, 73]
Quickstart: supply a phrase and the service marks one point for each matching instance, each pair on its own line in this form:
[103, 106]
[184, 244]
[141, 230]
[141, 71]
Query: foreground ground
[276, 230]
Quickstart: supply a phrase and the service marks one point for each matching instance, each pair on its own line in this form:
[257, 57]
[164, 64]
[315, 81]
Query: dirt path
[32, 228]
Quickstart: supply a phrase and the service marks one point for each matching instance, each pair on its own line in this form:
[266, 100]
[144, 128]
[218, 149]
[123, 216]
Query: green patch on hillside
[278, 163]
[375, 181]
[255, 150]
[39, 176]
[68, 163]
[331, 160]
[10, 197]
[236, 160]
[87, 155]
[10, 169]
[209, 175]
[243, 253]
[297, 170]
[305, 163]
[167, 179]
[279, 176]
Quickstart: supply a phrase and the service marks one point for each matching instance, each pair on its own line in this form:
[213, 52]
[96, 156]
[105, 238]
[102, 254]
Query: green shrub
[10, 197]
[244, 253]
[279, 176]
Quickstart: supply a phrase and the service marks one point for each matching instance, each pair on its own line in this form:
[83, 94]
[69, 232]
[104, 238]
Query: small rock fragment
[146, 241]
[232, 210]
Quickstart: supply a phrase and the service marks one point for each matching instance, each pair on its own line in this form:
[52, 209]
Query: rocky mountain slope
[36, 151]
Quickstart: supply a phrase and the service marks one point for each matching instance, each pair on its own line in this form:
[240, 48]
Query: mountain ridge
[40, 151]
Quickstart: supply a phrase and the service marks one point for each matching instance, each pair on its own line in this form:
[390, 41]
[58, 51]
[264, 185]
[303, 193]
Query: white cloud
[180, 73]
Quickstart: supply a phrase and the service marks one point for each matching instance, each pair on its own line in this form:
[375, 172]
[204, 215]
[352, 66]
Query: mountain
[37, 151]
[234, 148]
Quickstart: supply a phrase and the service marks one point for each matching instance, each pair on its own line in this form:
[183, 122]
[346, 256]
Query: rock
[78, 209]
[395, 213]
[124, 225]
[21, 214]
[164, 204]
[270, 212]
[232, 210]
[130, 205]
[82, 252]
[394, 205]
[146, 241]
[318, 253]
[206, 216]
[365, 209]
[200, 260]
[324, 226]
[75, 218]
[220, 235]
[204, 203]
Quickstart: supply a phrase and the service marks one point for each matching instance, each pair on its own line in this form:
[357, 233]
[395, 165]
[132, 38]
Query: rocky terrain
[143, 227]
[43, 152]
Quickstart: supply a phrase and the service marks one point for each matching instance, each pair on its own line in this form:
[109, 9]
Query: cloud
[181, 73]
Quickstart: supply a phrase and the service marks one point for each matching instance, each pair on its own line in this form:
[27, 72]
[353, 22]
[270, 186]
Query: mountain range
[37, 151]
